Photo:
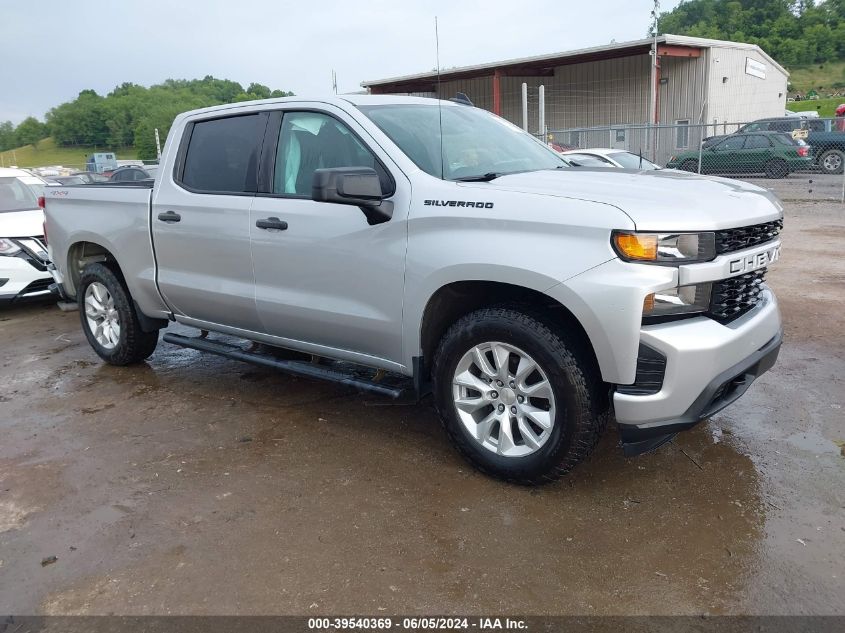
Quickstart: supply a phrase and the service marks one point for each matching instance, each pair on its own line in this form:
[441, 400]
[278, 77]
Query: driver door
[329, 278]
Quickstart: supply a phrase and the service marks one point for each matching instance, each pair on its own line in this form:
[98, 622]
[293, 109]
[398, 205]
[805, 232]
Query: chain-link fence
[798, 159]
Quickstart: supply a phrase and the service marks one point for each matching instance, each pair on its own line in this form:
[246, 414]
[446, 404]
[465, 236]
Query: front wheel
[776, 169]
[516, 399]
[109, 320]
[831, 162]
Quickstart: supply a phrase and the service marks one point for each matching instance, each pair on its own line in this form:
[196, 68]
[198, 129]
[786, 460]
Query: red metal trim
[668, 50]
[497, 92]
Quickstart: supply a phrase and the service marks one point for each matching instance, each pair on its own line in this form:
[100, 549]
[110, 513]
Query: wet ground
[194, 484]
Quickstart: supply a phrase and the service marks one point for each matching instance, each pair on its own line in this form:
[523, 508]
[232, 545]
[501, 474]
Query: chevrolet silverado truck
[407, 246]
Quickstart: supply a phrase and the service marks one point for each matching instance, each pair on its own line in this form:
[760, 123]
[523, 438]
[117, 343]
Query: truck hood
[22, 223]
[656, 200]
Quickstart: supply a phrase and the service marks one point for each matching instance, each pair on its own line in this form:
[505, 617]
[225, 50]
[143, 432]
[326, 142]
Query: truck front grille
[731, 240]
[731, 298]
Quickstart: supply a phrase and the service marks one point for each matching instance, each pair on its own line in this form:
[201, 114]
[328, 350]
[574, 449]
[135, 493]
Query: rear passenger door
[200, 221]
[757, 152]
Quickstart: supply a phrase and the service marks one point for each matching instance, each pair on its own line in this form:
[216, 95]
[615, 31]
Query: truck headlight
[678, 301]
[8, 247]
[664, 248]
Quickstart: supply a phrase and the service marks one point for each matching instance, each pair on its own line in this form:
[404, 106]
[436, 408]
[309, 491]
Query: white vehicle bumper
[19, 279]
[708, 366]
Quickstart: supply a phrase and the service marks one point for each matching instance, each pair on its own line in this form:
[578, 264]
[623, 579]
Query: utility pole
[655, 61]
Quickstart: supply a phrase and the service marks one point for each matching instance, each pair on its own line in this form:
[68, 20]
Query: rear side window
[757, 142]
[222, 155]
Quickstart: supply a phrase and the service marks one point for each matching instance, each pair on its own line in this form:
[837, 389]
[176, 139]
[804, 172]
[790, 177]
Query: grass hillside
[45, 153]
[823, 78]
[825, 107]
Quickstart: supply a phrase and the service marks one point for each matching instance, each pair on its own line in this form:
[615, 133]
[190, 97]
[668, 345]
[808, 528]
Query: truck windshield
[476, 145]
[16, 196]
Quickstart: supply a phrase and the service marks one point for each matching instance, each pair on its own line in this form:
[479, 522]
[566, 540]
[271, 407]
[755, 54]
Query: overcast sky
[52, 49]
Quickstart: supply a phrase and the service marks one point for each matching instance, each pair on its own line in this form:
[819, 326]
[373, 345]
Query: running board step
[298, 368]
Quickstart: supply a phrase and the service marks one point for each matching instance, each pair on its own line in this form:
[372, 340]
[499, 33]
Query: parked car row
[825, 137]
[23, 252]
[23, 249]
[774, 154]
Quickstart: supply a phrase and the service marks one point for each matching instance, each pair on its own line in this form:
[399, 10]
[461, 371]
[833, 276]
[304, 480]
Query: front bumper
[708, 366]
[21, 280]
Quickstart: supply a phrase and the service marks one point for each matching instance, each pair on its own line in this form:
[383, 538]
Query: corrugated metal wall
[682, 96]
[617, 92]
[742, 97]
[578, 95]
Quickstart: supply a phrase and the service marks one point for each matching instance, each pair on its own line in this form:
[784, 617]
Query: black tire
[134, 345]
[776, 168]
[690, 165]
[580, 417]
[832, 161]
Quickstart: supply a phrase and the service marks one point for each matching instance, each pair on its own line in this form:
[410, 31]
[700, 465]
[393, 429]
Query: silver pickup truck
[390, 239]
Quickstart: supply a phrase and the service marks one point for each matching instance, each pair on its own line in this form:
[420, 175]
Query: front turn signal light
[635, 246]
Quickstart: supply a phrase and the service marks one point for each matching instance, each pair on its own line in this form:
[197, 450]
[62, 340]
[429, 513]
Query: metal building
[695, 81]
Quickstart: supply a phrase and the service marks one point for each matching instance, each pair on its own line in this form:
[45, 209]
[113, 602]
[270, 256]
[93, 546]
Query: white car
[23, 253]
[601, 157]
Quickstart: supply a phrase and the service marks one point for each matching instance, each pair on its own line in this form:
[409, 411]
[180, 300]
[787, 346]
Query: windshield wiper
[491, 175]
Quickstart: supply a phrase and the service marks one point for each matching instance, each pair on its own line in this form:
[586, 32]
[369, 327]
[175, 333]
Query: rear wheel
[109, 320]
[516, 399]
[832, 161]
[690, 165]
[776, 169]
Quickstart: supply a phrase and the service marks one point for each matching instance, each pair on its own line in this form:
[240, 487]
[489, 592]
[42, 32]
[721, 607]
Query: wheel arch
[454, 300]
[84, 252]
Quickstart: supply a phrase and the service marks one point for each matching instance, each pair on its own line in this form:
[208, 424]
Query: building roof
[532, 64]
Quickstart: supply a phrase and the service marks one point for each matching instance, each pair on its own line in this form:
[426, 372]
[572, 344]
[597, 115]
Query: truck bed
[115, 215]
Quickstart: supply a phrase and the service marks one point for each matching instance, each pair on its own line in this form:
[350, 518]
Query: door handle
[169, 217]
[272, 223]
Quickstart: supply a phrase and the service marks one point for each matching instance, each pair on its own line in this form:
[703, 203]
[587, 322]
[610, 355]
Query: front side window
[309, 141]
[16, 196]
[456, 142]
[784, 126]
[731, 144]
[222, 155]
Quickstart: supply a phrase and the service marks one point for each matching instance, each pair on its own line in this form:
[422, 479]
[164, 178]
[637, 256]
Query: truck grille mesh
[731, 298]
[731, 240]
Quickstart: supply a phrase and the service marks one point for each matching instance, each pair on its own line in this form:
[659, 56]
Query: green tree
[8, 140]
[794, 32]
[30, 131]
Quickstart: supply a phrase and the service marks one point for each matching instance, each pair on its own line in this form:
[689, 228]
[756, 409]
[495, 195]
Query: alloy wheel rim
[504, 399]
[103, 319]
[832, 162]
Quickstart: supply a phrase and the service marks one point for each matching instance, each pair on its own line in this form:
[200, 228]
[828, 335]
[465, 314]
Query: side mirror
[358, 186]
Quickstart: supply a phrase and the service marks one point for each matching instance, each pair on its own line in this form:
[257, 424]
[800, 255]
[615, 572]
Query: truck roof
[337, 100]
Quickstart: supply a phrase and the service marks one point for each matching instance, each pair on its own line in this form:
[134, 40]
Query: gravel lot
[197, 485]
[806, 186]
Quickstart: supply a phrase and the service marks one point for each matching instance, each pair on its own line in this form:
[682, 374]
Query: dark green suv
[771, 153]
